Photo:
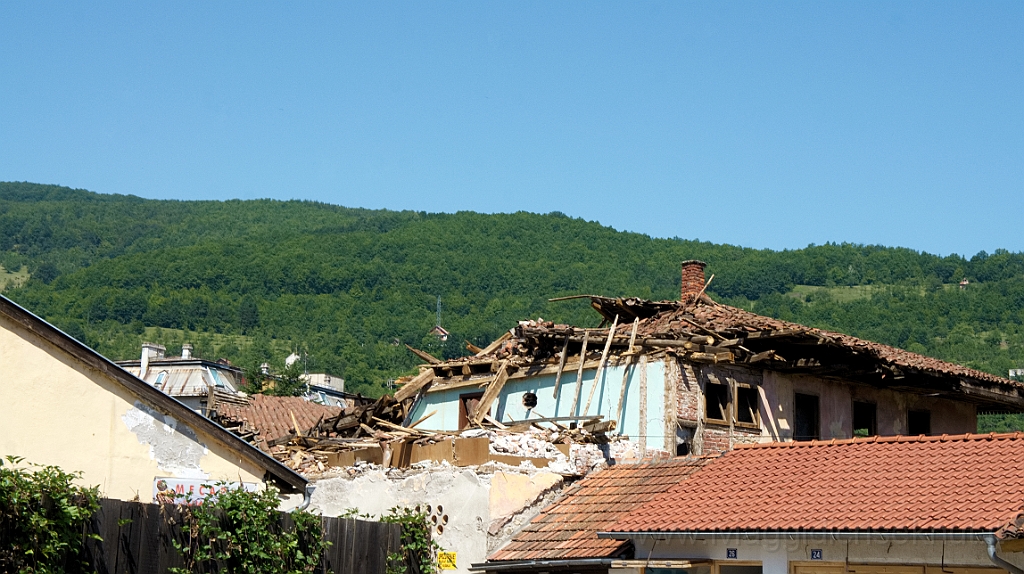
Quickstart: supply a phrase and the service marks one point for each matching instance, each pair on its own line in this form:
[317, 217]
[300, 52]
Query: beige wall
[55, 410]
[836, 407]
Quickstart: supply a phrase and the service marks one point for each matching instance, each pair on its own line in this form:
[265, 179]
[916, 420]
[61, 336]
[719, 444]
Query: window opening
[467, 404]
[806, 421]
[739, 568]
[919, 422]
[716, 398]
[746, 405]
[864, 419]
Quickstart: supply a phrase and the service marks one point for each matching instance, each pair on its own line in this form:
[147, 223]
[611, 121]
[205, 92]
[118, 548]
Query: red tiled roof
[949, 483]
[568, 528]
[272, 416]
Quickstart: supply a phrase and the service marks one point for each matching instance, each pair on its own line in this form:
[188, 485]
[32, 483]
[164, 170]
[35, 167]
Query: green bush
[243, 531]
[43, 518]
[419, 550]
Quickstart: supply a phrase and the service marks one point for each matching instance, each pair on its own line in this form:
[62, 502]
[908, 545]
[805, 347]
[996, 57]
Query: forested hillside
[254, 280]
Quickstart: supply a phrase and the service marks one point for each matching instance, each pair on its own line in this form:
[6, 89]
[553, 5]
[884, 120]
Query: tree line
[349, 287]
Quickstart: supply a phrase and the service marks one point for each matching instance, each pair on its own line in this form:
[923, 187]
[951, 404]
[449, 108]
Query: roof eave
[800, 535]
[288, 480]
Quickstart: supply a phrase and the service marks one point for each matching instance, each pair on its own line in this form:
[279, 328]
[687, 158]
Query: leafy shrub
[43, 518]
[419, 550]
[243, 531]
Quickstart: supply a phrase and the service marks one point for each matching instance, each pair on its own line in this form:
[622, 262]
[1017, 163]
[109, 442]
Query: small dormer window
[160, 378]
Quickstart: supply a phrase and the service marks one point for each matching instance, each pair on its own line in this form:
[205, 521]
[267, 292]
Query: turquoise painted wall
[509, 405]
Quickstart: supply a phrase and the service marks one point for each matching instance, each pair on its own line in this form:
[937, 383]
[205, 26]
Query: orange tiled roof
[272, 416]
[971, 483]
[568, 528]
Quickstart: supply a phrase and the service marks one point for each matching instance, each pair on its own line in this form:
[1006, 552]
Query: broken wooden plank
[600, 366]
[632, 336]
[424, 355]
[494, 422]
[473, 348]
[561, 365]
[400, 428]
[490, 394]
[423, 418]
[599, 426]
[412, 387]
[579, 372]
[622, 392]
[495, 345]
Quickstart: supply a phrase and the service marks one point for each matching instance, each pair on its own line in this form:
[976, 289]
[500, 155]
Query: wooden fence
[138, 539]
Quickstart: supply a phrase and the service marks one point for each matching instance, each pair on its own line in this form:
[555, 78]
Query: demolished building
[696, 376]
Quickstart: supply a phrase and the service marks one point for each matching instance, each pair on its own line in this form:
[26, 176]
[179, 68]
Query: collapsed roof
[701, 330]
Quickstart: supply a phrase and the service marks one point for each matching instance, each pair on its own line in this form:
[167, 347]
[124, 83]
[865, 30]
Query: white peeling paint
[176, 451]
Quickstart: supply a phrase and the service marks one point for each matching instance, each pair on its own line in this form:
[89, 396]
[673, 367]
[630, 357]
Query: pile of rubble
[372, 435]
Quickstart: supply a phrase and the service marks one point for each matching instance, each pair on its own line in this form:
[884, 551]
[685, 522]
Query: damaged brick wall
[699, 435]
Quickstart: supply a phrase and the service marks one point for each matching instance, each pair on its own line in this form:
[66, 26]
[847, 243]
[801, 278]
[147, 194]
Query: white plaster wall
[57, 411]
[776, 554]
[463, 495]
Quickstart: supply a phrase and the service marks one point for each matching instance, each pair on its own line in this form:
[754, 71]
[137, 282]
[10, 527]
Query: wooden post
[600, 366]
[412, 387]
[561, 365]
[632, 336]
[643, 406]
[490, 394]
[579, 373]
[622, 392]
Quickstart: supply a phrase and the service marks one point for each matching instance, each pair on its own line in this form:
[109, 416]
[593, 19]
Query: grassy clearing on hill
[13, 278]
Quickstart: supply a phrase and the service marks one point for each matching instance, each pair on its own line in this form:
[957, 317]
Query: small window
[530, 400]
[747, 405]
[806, 422]
[919, 422]
[864, 419]
[716, 396]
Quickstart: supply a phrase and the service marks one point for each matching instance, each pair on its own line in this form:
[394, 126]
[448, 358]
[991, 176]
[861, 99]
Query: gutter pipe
[513, 566]
[307, 497]
[778, 534]
[990, 541]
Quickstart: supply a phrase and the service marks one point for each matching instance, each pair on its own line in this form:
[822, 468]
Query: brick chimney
[693, 279]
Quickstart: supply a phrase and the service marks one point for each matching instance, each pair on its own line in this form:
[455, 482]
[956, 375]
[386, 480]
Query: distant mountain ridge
[248, 279]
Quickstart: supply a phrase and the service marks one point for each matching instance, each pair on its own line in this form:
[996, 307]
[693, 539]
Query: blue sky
[752, 123]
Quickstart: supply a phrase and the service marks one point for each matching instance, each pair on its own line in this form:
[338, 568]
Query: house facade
[913, 505]
[187, 378]
[66, 405]
[879, 505]
[696, 377]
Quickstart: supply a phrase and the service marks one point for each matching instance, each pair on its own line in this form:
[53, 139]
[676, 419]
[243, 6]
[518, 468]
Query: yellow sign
[446, 561]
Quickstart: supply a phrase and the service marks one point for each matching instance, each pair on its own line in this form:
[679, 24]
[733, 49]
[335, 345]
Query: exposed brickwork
[693, 279]
[715, 440]
[688, 394]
